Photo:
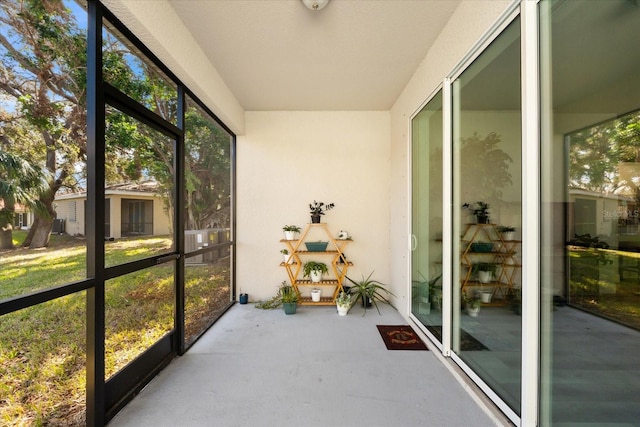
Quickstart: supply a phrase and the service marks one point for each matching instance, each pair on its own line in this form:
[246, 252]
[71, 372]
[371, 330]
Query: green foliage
[486, 166]
[319, 208]
[343, 299]
[285, 294]
[310, 266]
[293, 228]
[371, 289]
[484, 266]
[207, 170]
[598, 154]
[472, 302]
[479, 210]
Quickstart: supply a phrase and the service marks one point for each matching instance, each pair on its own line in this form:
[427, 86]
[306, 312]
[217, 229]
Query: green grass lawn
[595, 284]
[42, 348]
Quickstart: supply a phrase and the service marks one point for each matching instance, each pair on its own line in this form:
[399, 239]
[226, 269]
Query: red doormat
[400, 337]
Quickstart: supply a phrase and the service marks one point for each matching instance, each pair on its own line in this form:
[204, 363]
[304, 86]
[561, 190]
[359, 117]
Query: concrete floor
[264, 368]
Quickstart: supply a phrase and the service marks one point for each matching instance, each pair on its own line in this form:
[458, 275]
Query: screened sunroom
[482, 157]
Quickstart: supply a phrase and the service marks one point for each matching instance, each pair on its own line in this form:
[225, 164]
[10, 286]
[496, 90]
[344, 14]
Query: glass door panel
[590, 296]
[487, 204]
[426, 224]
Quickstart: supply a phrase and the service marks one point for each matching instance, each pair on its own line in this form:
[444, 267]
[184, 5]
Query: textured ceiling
[279, 55]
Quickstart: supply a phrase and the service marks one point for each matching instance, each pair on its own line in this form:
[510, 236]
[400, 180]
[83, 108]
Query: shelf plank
[323, 301]
[302, 252]
[322, 283]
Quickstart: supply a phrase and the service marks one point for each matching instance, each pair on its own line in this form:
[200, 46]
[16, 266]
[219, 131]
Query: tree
[43, 79]
[208, 172]
[603, 157]
[43, 73]
[19, 183]
[484, 167]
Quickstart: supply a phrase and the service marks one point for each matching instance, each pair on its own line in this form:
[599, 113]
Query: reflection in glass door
[487, 200]
[590, 282]
[426, 225]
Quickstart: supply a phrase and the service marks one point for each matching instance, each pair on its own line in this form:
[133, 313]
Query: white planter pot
[424, 308]
[316, 276]
[484, 276]
[507, 236]
[485, 296]
[473, 312]
[288, 259]
[343, 310]
[315, 295]
[290, 235]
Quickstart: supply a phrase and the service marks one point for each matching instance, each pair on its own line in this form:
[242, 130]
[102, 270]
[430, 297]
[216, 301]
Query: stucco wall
[362, 156]
[467, 25]
[288, 159]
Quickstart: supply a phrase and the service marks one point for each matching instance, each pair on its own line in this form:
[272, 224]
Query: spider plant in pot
[314, 270]
[290, 231]
[369, 291]
[319, 208]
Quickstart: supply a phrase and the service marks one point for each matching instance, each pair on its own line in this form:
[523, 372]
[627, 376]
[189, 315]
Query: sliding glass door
[590, 296]
[426, 225]
[487, 224]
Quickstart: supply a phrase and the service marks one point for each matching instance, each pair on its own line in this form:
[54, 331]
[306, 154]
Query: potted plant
[484, 271]
[435, 292]
[319, 208]
[516, 302]
[289, 298]
[480, 210]
[472, 305]
[506, 231]
[314, 270]
[286, 296]
[290, 231]
[316, 294]
[287, 257]
[343, 303]
[368, 291]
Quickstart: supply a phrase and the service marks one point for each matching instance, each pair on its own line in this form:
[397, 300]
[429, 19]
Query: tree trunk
[41, 233]
[6, 236]
[6, 224]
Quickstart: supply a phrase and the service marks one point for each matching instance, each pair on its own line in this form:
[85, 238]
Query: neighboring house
[600, 214]
[131, 209]
[22, 218]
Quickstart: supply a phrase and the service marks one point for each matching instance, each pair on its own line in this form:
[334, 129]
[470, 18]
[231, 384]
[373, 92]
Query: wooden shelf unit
[502, 254]
[299, 255]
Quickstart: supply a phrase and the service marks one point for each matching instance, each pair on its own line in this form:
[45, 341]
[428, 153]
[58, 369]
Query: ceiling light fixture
[315, 4]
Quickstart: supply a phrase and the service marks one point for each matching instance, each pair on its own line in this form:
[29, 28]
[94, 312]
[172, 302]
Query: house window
[72, 214]
[137, 217]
